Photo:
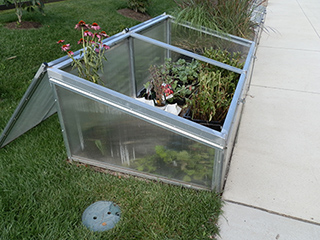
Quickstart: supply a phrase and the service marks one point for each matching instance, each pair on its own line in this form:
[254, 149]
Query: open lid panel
[36, 105]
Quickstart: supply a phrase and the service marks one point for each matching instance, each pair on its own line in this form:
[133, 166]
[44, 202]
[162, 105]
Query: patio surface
[273, 185]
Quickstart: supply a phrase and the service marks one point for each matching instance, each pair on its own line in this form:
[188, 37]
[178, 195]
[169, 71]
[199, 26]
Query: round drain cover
[101, 216]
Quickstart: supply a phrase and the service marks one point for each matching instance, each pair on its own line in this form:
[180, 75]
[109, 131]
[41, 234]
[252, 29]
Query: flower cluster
[92, 53]
[167, 89]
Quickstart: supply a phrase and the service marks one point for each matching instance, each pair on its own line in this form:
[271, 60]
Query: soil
[23, 25]
[141, 17]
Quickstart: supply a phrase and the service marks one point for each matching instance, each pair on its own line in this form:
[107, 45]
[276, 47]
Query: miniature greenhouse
[118, 125]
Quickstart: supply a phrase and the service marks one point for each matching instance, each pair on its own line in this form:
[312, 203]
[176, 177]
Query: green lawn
[42, 196]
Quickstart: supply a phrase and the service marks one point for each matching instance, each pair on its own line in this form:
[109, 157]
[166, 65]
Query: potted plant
[159, 88]
[171, 82]
[209, 103]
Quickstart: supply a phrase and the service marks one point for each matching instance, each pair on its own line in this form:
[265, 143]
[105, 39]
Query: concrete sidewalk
[273, 186]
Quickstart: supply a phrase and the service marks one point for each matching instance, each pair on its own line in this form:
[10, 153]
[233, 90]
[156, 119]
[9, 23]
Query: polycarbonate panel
[157, 31]
[36, 105]
[145, 55]
[193, 40]
[116, 71]
[104, 134]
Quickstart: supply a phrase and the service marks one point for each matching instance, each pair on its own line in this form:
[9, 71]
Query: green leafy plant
[159, 87]
[186, 72]
[212, 98]
[233, 59]
[138, 5]
[174, 79]
[185, 78]
[206, 88]
[21, 5]
[194, 164]
[92, 54]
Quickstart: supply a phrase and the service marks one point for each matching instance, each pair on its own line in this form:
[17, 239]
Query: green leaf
[186, 178]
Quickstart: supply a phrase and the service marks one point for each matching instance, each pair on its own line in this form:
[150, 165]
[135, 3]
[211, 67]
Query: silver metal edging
[168, 37]
[218, 179]
[236, 97]
[63, 128]
[185, 52]
[132, 67]
[134, 113]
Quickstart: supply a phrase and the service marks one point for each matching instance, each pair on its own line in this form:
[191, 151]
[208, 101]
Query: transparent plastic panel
[104, 134]
[145, 55]
[36, 105]
[157, 31]
[197, 41]
[116, 74]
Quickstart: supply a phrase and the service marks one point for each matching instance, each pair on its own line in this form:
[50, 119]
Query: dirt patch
[141, 17]
[23, 25]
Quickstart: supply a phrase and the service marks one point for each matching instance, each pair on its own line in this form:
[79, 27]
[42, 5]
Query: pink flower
[81, 41]
[106, 47]
[95, 26]
[81, 24]
[98, 36]
[60, 41]
[65, 47]
[103, 34]
[88, 33]
[70, 53]
[168, 91]
[100, 47]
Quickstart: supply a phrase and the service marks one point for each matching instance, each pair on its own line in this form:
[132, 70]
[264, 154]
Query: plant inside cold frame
[203, 89]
